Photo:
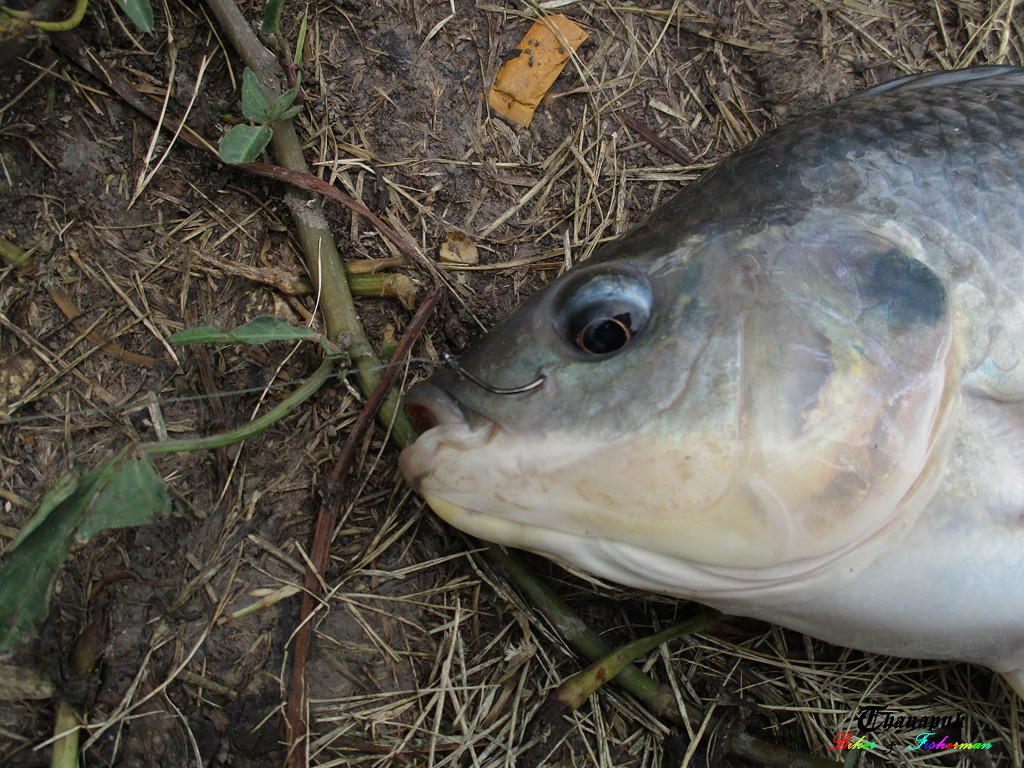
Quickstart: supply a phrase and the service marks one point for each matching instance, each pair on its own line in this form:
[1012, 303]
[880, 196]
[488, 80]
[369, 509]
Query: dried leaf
[523, 81]
[458, 249]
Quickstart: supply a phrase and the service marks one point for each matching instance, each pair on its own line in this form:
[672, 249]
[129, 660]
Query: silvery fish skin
[795, 393]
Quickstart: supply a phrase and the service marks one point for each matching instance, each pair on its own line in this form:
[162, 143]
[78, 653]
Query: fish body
[795, 393]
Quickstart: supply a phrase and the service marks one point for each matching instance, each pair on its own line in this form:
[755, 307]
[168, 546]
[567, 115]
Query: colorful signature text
[845, 741]
[923, 743]
[849, 741]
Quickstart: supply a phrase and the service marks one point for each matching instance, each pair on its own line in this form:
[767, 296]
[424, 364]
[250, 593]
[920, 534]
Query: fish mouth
[443, 465]
[427, 406]
[442, 422]
[449, 431]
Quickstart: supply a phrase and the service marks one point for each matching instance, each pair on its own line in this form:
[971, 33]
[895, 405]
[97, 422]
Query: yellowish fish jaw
[686, 519]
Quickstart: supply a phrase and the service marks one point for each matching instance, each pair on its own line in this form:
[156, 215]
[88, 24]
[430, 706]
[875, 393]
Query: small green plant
[120, 492]
[243, 143]
[123, 491]
[272, 18]
[261, 330]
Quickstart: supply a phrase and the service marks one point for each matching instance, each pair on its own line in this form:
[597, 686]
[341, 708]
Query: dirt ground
[424, 653]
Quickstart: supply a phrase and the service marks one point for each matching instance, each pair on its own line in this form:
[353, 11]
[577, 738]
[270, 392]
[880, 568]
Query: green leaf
[29, 571]
[259, 331]
[140, 12]
[302, 38]
[272, 17]
[66, 485]
[115, 494]
[243, 143]
[291, 113]
[134, 495]
[279, 108]
[254, 100]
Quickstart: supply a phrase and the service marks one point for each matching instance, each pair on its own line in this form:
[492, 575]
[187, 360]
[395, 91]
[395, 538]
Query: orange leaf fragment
[458, 249]
[522, 82]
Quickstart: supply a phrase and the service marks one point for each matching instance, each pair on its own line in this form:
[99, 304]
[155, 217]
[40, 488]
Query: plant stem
[391, 284]
[578, 688]
[65, 748]
[69, 23]
[323, 261]
[254, 427]
[579, 635]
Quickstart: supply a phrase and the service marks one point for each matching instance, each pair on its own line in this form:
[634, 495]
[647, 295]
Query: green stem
[323, 262]
[581, 637]
[382, 284]
[68, 24]
[578, 688]
[65, 748]
[254, 427]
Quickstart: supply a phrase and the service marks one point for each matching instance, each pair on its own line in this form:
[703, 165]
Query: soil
[423, 653]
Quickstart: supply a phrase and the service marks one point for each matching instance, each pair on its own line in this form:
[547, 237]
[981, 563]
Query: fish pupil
[605, 335]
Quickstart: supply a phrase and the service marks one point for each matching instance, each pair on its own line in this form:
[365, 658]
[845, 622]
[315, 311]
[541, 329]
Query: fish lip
[428, 406]
[441, 420]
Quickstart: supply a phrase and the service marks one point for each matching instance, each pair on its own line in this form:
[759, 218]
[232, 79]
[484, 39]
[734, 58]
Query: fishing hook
[462, 373]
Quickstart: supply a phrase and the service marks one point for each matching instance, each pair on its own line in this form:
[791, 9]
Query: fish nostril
[421, 417]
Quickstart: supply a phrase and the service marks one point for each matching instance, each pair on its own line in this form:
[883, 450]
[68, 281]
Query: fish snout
[447, 430]
[428, 406]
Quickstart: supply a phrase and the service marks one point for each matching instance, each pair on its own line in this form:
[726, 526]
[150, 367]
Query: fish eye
[602, 314]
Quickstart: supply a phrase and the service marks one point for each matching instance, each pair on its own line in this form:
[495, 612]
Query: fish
[794, 393]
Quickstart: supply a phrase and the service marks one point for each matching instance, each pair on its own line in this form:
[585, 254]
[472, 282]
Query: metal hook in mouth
[462, 373]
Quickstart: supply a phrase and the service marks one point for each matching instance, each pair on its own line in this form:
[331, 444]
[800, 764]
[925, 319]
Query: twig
[67, 306]
[654, 139]
[332, 494]
[72, 46]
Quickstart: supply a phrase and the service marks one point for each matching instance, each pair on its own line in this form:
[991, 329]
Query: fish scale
[797, 384]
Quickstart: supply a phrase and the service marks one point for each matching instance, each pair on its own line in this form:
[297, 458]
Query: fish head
[745, 402]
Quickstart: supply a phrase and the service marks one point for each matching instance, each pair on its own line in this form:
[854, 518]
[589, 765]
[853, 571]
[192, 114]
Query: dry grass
[423, 655]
